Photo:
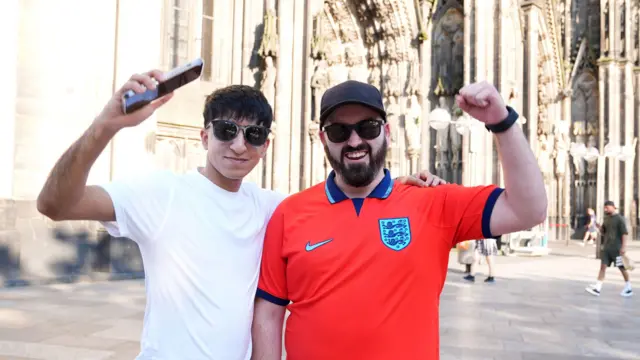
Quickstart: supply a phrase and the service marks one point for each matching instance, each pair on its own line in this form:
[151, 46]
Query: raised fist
[483, 102]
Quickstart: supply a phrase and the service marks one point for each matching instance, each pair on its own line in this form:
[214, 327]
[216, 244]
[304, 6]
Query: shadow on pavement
[536, 315]
[102, 257]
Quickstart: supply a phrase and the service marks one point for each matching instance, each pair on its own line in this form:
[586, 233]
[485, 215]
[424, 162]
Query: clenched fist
[483, 102]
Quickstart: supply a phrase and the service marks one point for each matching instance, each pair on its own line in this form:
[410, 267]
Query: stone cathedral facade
[569, 67]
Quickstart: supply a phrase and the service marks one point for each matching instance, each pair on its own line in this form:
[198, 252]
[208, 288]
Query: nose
[238, 144]
[354, 139]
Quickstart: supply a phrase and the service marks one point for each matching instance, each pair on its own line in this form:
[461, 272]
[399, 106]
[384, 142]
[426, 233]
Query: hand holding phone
[143, 94]
[173, 80]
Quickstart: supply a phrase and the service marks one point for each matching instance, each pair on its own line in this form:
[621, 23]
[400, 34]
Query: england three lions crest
[395, 233]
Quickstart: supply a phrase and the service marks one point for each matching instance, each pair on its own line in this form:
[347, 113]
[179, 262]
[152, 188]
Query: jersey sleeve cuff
[488, 210]
[272, 299]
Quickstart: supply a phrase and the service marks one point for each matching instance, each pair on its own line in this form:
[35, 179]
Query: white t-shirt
[201, 247]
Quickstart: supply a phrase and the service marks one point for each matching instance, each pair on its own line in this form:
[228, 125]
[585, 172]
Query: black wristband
[504, 125]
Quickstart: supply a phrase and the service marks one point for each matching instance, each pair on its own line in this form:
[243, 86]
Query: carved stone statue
[320, 46]
[412, 123]
[314, 130]
[319, 84]
[413, 83]
[268, 51]
[375, 77]
[592, 167]
[561, 146]
[579, 166]
[354, 59]
[267, 86]
[269, 43]
[544, 155]
[449, 51]
[320, 49]
[392, 87]
[584, 104]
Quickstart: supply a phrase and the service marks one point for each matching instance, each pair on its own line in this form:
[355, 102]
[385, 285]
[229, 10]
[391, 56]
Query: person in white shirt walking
[200, 234]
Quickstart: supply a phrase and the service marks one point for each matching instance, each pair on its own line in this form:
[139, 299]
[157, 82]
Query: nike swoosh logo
[310, 247]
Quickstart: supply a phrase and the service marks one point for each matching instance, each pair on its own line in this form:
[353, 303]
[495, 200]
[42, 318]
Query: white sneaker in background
[626, 292]
[593, 290]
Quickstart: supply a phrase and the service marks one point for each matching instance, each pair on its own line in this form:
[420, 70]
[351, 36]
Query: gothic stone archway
[369, 41]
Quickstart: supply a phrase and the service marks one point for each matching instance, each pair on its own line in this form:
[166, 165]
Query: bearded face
[355, 143]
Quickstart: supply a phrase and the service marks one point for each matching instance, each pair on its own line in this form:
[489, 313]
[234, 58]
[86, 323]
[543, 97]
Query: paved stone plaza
[537, 309]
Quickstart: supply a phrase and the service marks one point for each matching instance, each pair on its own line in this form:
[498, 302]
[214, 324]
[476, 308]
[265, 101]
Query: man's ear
[387, 133]
[264, 148]
[204, 136]
[323, 140]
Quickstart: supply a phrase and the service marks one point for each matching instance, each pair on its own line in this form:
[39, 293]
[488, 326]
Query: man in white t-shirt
[200, 234]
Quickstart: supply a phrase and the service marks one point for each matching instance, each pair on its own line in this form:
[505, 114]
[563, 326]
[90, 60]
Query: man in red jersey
[360, 261]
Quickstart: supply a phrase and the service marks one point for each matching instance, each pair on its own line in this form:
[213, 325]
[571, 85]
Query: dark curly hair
[238, 102]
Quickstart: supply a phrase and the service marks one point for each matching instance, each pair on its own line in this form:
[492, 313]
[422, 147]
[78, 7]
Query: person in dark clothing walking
[614, 237]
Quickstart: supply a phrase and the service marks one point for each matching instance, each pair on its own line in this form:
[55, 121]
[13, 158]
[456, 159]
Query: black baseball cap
[609, 203]
[351, 92]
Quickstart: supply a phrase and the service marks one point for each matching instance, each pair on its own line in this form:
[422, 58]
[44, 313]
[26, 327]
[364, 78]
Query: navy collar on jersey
[335, 195]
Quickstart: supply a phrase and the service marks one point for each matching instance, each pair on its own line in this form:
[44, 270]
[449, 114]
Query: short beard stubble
[358, 175]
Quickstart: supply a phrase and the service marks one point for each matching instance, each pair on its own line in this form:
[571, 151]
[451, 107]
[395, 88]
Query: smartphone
[174, 79]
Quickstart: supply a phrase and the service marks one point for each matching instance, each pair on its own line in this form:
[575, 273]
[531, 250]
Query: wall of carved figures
[371, 42]
[447, 77]
[379, 41]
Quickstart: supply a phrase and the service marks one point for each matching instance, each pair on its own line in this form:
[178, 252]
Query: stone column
[298, 93]
[566, 115]
[9, 29]
[307, 111]
[613, 82]
[488, 25]
[466, 149]
[413, 154]
[317, 173]
[268, 53]
[601, 169]
[425, 66]
[483, 17]
[613, 171]
[130, 152]
[564, 177]
[237, 66]
[628, 109]
[250, 64]
[636, 95]
[282, 141]
[253, 17]
[531, 72]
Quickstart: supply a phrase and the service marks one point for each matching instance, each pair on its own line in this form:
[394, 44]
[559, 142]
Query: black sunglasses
[227, 130]
[367, 129]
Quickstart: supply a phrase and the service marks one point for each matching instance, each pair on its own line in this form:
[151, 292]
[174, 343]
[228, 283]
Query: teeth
[355, 155]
